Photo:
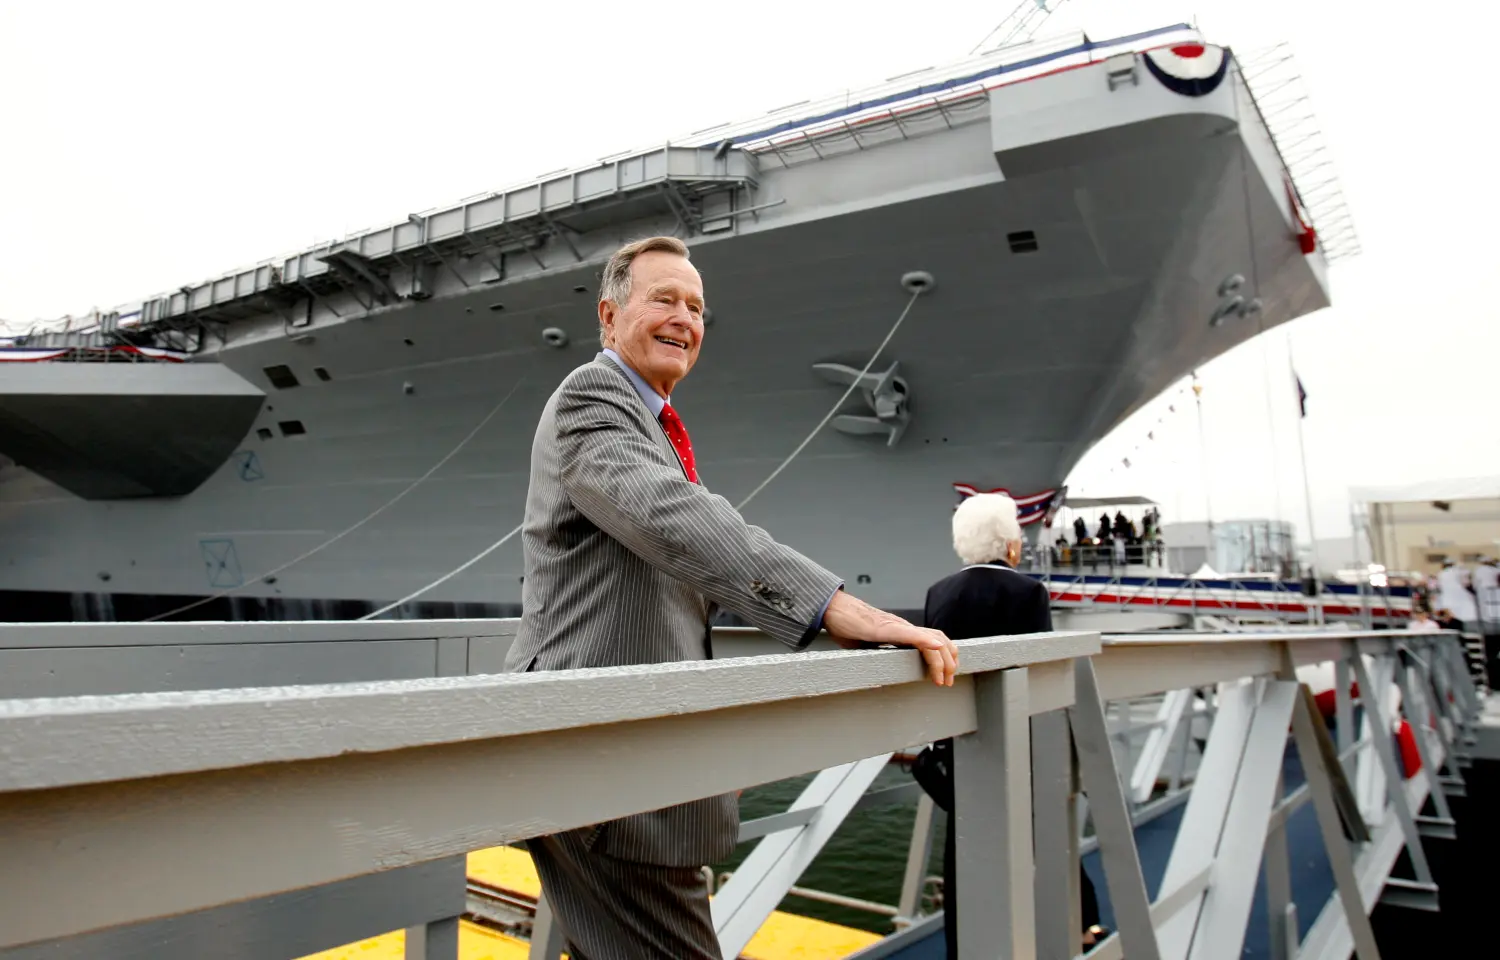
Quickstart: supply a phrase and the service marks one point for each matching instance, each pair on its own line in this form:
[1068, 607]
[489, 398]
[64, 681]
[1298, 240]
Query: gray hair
[983, 525]
[615, 284]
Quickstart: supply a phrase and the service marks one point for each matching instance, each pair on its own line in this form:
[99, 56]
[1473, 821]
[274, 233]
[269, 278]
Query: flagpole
[1208, 503]
[1306, 486]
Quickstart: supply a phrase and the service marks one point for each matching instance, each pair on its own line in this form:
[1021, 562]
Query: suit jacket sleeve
[624, 482]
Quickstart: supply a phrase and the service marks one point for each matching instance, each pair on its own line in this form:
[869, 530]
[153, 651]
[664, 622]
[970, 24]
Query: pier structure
[279, 789]
[1228, 599]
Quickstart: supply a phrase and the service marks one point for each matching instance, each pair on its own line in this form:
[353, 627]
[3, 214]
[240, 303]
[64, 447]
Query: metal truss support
[1370, 783]
[687, 220]
[1242, 832]
[1383, 734]
[918, 853]
[1175, 708]
[1234, 817]
[449, 264]
[1321, 780]
[1456, 706]
[319, 298]
[494, 258]
[360, 270]
[1197, 842]
[742, 905]
[1117, 849]
[560, 231]
[1418, 711]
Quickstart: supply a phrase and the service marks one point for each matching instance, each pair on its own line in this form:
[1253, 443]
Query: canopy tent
[1089, 503]
[1458, 488]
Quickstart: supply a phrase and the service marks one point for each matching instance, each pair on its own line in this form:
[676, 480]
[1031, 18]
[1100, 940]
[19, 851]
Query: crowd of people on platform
[1458, 598]
[1115, 543]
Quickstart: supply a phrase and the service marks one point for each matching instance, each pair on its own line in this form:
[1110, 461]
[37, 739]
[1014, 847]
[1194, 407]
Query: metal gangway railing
[297, 817]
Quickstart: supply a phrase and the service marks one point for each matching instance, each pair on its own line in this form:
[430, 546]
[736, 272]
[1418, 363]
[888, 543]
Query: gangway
[363, 778]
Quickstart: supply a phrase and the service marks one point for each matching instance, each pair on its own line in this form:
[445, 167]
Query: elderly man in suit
[627, 556]
[987, 598]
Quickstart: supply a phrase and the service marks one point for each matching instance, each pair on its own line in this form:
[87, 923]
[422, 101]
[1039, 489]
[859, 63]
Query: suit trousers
[613, 909]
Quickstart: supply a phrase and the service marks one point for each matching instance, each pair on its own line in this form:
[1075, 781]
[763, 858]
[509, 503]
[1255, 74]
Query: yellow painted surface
[505, 868]
[785, 936]
[478, 943]
[474, 943]
[390, 946]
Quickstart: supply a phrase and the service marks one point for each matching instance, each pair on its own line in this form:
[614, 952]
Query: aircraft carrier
[1043, 238]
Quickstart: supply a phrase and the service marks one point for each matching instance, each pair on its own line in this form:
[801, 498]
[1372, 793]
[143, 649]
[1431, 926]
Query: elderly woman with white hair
[987, 598]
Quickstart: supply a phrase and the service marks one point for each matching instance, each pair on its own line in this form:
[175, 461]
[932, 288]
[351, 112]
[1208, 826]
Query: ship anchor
[885, 393]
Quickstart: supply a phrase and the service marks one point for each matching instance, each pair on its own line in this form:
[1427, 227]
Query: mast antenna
[1021, 25]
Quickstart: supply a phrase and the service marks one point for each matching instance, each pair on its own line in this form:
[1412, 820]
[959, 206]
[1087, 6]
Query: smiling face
[659, 329]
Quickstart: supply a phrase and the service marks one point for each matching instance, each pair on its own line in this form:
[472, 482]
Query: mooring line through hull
[355, 526]
[917, 283]
[917, 289]
[447, 576]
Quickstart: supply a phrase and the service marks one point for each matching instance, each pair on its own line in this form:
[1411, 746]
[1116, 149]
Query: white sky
[148, 144]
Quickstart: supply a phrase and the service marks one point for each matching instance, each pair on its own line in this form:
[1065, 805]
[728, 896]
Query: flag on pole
[1301, 395]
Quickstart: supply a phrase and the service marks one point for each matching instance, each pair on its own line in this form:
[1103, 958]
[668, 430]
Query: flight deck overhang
[122, 431]
[1104, 109]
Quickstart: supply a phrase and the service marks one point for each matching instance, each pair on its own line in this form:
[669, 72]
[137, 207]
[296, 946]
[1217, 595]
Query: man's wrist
[841, 619]
[850, 618]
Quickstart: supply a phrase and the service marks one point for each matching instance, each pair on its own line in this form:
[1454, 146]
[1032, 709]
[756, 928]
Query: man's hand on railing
[853, 623]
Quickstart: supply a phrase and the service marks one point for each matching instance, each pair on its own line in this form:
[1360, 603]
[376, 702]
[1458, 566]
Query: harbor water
[865, 858]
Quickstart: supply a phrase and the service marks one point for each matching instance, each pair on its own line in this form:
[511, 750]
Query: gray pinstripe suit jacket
[625, 561]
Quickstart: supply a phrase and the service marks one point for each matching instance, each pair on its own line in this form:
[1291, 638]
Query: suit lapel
[648, 424]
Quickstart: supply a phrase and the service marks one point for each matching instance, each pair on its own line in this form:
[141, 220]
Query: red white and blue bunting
[1031, 508]
[1190, 69]
[38, 354]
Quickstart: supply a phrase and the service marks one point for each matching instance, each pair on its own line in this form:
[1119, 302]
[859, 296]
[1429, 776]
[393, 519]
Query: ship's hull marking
[221, 563]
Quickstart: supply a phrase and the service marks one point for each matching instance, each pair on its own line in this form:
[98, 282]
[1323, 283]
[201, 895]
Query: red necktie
[677, 433]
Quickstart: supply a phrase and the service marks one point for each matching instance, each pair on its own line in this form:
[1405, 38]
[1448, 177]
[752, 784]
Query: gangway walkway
[336, 801]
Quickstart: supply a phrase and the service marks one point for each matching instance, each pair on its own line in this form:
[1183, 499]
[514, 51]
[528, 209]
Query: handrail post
[1056, 826]
[547, 940]
[436, 940]
[995, 907]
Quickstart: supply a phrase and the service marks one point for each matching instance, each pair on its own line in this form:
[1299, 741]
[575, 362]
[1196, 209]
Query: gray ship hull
[1141, 203]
